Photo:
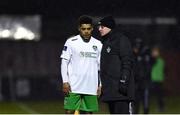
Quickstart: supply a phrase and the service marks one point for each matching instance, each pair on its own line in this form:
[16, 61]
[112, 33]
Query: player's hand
[99, 91]
[66, 88]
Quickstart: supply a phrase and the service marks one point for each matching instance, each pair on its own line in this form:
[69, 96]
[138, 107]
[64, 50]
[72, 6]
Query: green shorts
[81, 102]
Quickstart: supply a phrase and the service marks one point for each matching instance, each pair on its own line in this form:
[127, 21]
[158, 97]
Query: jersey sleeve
[99, 55]
[66, 52]
[99, 58]
[64, 70]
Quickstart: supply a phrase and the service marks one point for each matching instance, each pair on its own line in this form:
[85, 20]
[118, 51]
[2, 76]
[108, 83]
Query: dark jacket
[116, 60]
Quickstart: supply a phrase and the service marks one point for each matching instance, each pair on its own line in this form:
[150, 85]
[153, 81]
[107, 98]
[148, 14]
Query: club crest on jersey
[95, 48]
[108, 49]
[65, 48]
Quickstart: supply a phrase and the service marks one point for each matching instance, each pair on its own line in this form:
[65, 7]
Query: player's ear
[78, 27]
[92, 28]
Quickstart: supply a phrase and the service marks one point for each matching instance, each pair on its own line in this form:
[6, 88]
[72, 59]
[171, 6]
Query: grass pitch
[172, 105]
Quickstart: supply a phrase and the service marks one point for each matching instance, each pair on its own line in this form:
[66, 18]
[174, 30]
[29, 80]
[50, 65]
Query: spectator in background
[157, 76]
[79, 69]
[142, 75]
[116, 68]
[1, 96]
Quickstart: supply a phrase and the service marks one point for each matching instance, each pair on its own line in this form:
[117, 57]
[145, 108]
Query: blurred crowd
[149, 76]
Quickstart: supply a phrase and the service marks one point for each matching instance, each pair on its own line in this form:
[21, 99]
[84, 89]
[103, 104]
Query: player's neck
[85, 39]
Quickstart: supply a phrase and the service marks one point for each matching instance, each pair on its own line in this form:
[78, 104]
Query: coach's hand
[66, 88]
[123, 85]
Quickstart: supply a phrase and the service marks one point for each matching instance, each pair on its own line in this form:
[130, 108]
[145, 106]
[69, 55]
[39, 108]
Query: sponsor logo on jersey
[108, 49]
[95, 48]
[88, 54]
[65, 48]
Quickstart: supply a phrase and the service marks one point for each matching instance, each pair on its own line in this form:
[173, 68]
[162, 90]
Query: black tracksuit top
[116, 60]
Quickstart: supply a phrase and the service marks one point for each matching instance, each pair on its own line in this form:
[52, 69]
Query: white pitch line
[26, 108]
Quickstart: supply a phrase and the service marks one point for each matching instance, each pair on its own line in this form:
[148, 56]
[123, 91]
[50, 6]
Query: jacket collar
[107, 37]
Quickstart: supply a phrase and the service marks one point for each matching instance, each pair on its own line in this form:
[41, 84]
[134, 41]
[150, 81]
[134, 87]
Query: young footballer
[80, 61]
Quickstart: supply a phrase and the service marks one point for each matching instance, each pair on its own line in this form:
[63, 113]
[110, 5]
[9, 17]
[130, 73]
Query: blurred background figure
[1, 96]
[142, 75]
[157, 77]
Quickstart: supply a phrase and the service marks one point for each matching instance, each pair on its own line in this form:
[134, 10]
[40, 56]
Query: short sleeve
[66, 51]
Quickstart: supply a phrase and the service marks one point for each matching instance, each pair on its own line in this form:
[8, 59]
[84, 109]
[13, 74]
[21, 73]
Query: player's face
[103, 30]
[86, 30]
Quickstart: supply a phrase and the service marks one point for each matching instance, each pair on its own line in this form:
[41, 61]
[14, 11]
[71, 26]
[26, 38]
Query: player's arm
[64, 73]
[99, 85]
[65, 57]
[99, 77]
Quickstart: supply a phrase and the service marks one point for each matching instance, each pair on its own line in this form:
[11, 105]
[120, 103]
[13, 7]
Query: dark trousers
[120, 107]
[141, 97]
[157, 91]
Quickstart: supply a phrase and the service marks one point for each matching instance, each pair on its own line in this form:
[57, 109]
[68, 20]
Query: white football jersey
[84, 62]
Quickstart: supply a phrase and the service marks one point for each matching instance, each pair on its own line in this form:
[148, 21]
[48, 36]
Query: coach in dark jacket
[116, 68]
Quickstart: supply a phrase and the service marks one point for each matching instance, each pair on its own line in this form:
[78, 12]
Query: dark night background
[55, 12]
[58, 8]
[59, 21]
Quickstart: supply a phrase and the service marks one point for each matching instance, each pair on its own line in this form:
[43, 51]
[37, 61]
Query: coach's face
[85, 30]
[103, 30]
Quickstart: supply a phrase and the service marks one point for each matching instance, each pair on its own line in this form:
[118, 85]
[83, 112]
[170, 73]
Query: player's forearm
[64, 70]
[99, 79]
